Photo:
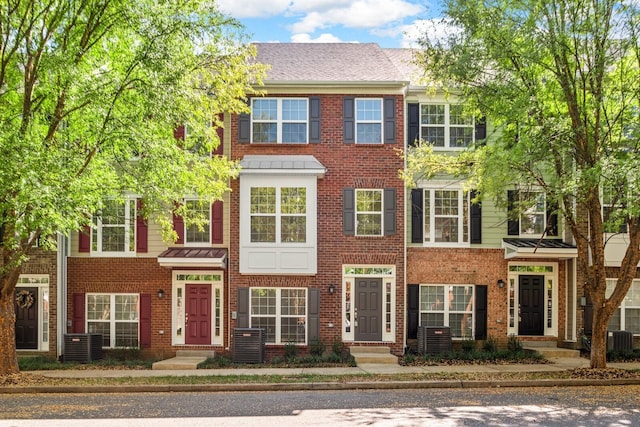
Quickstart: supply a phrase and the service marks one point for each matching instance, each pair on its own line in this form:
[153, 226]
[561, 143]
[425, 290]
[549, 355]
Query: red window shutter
[142, 230]
[178, 226]
[77, 318]
[217, 213]
[84, 240]
[145, 320]
[219, 150]
[178, 133]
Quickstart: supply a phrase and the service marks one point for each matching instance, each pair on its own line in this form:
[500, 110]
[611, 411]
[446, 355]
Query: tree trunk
[8, 357]
[599, 339]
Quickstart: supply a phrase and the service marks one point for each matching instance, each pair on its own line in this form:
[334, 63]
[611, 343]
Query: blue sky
[390, 23]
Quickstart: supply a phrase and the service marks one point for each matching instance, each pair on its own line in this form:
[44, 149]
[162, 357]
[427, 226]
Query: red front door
[198, 314]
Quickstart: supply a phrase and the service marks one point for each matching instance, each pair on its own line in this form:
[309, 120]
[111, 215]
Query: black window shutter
[413, 311]
[413, 124]
[552, 219]
[314, 315]
[481, 312]
[389, 211]
[513, 223]
[481, 129]
[314, 119]
[475, 220]
[417, 215]
[244, 126]
[348, 120]
[242, 319]
[348, 211]
[389, 112]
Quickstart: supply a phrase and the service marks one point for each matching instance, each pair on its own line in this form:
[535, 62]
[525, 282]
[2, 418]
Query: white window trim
[522, 214]
[196, 244]
[447, 127]
[112, 320]
[279, 316]
[428, 196]
[446, 311]
[380, 213]
[127, 233]
[279, 121]
[40, 281]
[380, 122]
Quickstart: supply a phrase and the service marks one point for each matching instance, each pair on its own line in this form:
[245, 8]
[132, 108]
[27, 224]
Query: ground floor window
[281, 312]
[116, 317]
[627, 316]
[448, 305]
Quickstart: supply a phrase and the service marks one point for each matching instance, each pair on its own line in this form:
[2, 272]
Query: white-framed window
[368, 121]
[613, 211]
[446, 126]
[281, 312]
[278, 214]
[197, 231]
[627, 316]
[114, 227]
[448, 305]
[446, 216]
[369, 215]
[280, 120]
[116, 317]
[533, 213]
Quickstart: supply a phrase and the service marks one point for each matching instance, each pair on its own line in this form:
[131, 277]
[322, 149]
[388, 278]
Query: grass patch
[43, 363]
[469, 356]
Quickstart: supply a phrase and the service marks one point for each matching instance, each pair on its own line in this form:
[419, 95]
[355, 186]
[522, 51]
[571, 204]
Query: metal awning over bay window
[538, 248]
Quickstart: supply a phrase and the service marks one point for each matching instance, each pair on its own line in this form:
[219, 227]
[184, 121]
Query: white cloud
[322, 38]
[433, 29]
[358, 14]
[253, 9]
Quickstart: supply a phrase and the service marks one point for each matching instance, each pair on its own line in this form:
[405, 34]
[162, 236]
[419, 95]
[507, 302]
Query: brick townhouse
[320, 241]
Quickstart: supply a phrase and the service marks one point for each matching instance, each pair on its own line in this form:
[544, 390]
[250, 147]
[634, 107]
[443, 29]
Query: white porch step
[184, 360]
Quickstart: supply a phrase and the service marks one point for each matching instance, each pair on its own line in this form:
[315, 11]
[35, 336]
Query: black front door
[368, 310]
[531, 289]
[26, 318]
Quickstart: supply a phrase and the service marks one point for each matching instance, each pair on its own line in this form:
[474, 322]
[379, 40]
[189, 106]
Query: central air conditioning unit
[434, 339]
[82, 347]
[248, 345]
[620, 340]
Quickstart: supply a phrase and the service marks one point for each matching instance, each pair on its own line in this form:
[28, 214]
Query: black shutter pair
[480, 312]
[413, 126]
[313, 316]
[388, 116]
[349, 211]
[513, 221]
[417, 218]
[315, 109]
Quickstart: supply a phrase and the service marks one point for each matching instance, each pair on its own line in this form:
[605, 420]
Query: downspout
[61, 280]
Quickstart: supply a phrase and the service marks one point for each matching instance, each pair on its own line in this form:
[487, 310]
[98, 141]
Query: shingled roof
[328, 62]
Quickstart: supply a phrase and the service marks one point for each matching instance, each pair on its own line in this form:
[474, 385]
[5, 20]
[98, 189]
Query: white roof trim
[512, 252]
[281, 165]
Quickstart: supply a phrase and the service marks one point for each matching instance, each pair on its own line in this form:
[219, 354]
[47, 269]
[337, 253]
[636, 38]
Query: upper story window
[613, 213]
[198, 231]
[446, 126]
[531, 214]
[114, 229]
[278, 214]
[446, 216]
[369, 215]
[368, 121]
[280, 120]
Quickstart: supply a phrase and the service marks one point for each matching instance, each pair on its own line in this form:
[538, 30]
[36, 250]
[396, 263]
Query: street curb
[386, 385]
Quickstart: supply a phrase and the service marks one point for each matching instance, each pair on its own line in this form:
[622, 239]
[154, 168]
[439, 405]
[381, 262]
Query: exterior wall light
[500, 283]
[332, 289]
[160, 293]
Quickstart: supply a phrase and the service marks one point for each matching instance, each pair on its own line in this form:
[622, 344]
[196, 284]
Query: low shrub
[317, 348]
[490, 345]
[290, 351]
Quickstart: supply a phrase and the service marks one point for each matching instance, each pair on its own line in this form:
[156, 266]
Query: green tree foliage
[90, 94]
[560, 81]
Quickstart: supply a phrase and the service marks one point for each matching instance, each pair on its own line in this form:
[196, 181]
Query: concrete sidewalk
[554, 365]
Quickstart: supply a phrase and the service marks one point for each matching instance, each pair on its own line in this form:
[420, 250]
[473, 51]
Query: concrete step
[373, 355]
[178, 363]
[196, 353]
[551, 352]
